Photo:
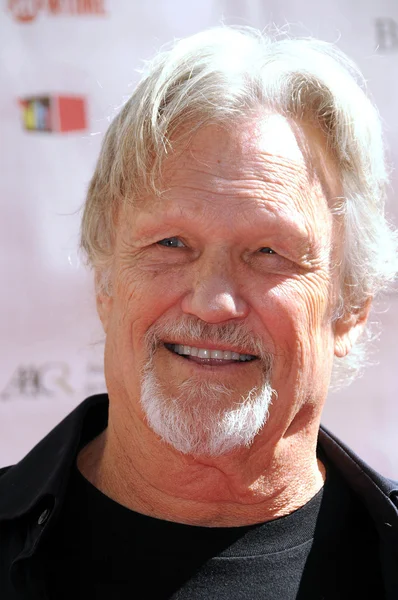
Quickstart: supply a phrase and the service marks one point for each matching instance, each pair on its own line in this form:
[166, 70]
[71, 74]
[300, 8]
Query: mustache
[192, 328]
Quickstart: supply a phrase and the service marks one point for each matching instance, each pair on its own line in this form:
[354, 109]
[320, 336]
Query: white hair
[224, 74]
[202, 419]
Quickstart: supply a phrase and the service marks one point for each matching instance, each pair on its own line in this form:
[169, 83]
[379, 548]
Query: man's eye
[171, 242]
[267, 250]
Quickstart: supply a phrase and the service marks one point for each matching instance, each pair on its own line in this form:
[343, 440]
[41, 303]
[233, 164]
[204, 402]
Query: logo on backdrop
[54, 113]
[386, 34]
[30, 381]
[51, 379]
[26, 11]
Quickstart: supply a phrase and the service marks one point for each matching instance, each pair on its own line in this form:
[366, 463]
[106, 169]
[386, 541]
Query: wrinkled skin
[231, 195]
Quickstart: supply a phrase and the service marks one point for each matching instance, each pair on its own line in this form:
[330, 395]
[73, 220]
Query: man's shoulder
[32, 491]
[378, 493]
[4, 470]
[44, 469]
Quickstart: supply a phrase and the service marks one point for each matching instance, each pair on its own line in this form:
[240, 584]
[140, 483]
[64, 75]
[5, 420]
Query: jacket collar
[45, 470]
[378, 493]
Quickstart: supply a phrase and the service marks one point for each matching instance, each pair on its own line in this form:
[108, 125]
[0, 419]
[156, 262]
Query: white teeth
[217, 354]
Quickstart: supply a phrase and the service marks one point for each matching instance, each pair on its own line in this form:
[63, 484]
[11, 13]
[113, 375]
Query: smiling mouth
[211, 357]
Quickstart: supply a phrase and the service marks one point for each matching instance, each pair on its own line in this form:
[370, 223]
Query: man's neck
[249, 486]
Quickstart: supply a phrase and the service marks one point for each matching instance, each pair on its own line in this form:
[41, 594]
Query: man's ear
[104, 301]
[348, 328]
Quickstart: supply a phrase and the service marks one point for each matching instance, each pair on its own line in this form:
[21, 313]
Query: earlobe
[347, 333]
[349, 328]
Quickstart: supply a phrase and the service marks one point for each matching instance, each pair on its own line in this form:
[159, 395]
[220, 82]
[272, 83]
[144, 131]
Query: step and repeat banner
[66, 68]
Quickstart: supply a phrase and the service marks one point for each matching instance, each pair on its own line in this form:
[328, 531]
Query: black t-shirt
[100, 550]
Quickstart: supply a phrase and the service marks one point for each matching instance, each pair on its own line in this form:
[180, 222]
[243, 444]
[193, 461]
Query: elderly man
[235, 224]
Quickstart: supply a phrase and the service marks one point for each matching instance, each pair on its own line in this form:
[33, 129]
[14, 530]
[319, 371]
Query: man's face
[224, 289]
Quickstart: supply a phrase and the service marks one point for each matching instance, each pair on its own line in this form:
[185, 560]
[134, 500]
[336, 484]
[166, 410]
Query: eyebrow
[183, 222]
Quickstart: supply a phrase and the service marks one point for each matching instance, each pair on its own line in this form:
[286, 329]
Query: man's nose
[215, 296]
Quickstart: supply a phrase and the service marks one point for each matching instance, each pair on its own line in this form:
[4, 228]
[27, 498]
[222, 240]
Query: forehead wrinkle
[259, 140]
[220, 166]
[274, 170]
[276, 186]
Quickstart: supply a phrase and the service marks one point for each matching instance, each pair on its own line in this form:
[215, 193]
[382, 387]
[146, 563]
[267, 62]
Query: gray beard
[203, 419]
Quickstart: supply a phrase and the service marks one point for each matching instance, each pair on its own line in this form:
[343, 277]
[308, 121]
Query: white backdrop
[50, 338]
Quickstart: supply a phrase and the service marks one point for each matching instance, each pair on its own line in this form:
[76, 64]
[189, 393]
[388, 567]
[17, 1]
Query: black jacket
[32, 492]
